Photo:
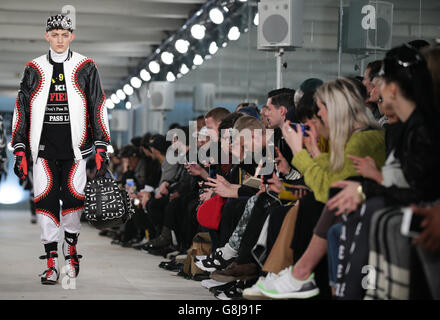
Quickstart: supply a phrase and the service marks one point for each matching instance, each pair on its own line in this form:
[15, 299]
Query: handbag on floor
[201, 247]
[105, 204]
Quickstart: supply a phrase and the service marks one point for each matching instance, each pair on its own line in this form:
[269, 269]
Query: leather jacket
[86, 99]
[419, 157]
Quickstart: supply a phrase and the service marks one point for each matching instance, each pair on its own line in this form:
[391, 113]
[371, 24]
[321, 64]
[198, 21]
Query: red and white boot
[51, 274]
[71, 256]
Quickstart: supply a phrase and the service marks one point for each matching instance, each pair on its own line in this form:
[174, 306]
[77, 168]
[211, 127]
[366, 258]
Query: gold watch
[361, 193]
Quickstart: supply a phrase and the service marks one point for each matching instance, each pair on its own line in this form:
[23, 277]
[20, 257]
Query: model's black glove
[20, 165]
[102, 161]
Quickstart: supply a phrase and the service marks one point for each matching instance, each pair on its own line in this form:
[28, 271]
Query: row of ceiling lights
[198, 31]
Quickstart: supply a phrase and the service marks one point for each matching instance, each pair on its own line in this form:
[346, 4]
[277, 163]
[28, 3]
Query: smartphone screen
[130, 182]
[212, 172]
[266, 177]
[304, 128]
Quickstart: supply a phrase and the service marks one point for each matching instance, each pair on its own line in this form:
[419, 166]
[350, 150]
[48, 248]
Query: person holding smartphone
[280, 104]
[406, 88]
[349, 128]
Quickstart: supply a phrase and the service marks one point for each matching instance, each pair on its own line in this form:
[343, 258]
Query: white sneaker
[285, 286]
[198, 258]
[214, 261]
[181, 258]
[139, 245]
[209, 283]
[51, 274]
[254, 292]
[172, 255]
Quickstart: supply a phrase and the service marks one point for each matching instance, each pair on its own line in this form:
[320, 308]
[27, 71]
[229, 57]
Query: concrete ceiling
[241, 71]
[119, 35]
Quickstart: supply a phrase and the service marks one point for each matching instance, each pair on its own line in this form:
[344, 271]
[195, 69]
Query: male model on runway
[3, 155]
[59, 115]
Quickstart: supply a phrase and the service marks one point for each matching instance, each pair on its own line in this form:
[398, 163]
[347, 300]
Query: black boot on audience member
[165, 239]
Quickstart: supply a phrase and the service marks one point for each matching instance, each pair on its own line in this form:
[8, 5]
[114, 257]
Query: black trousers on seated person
[231, 213]
[190, 226]
[253, 229]
[309, 212]
[178, 219]
[155, 211]
[142, 222]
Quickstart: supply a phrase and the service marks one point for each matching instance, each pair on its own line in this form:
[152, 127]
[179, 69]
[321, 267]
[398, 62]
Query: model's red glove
[20, 165]
[102, 161]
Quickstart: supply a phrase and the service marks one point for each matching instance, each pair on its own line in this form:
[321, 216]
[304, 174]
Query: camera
[304, 128]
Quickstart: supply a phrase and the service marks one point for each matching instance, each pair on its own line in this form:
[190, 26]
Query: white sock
[228, 252]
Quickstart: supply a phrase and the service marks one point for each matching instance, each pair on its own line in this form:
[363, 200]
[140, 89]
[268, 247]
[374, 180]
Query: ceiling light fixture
[109, 104]
[115, 98]
[167, 57]
[213, 48]
[121, 95]
[256, 19]
[216, 16]
[234, 33]
[136, 82]
[128, 89]
[154, 67]
[184, 69]
[170, 76]
[198, 31]
[198, 60]
[145, 75]
[182, 46]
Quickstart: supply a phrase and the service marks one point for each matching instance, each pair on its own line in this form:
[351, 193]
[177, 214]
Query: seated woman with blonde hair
[350, 129]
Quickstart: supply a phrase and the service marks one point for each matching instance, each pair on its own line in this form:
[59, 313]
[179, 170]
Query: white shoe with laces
[254, 292]
[51, 274]
[209, 283]
[285, 286]
[198, 258]
[71, 257]
[214, 261]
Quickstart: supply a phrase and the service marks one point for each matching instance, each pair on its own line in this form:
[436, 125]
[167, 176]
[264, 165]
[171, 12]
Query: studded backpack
[105, 204]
